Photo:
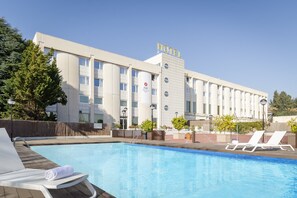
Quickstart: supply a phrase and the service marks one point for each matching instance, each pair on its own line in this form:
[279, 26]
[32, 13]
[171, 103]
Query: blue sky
[249, 42]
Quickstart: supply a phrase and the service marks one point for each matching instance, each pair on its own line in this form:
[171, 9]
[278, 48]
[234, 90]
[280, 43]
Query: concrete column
[221, 101]
[248, 104]
[214, 99]
[237, 103]
[129, 96]
[256, 105]
[111, 93]
[227, 101]
[69, 67]
[232, 111]
[144, 96]
[207, 98]
[91, 87]
[159, 96]
[199, 97]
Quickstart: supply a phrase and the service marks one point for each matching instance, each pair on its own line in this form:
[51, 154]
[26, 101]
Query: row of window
[84, 80]
[85, 99]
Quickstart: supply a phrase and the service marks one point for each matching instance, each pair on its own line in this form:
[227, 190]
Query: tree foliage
[146, 125]
[245, 127]
[37, 84]
[293, 124]
[283, 104]
[224, 123]
[179, 123]
[11, 47]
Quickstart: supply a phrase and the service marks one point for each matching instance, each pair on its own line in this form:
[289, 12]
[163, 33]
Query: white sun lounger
[14, 174]
[273, 142]
[254, 140]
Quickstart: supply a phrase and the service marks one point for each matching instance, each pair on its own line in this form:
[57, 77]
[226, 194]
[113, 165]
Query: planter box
[223, 138]
[178, 136]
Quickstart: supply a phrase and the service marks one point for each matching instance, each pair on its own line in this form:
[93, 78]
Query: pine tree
[37, 84]
[11, 47]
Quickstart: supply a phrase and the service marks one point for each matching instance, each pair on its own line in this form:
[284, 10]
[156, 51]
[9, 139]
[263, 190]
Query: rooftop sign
[168, 50]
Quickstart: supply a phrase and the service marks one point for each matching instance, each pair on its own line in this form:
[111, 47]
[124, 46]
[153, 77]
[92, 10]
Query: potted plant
[179, 123]
[224, 123]
[293, 125]
[146, 126]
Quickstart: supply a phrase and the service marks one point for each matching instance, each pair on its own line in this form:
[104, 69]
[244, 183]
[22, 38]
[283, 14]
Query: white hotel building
[100, 84]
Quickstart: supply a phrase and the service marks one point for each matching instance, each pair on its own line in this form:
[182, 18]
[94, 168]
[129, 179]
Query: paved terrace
[34, 160]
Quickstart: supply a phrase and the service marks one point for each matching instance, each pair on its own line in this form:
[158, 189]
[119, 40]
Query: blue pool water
[131, 170]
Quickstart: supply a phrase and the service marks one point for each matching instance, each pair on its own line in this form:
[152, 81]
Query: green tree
[146, 126]
[37, 84]
[283, 104]
[179, 123]
[293, 124]
[224, 123]
[11, 47]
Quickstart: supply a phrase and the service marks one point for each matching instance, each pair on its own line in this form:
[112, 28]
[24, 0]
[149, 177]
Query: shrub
[245, 127]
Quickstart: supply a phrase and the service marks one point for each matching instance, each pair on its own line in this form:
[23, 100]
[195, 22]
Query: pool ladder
[135, 138]
[21, 139]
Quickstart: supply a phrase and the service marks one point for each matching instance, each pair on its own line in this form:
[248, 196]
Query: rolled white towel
[58, 173]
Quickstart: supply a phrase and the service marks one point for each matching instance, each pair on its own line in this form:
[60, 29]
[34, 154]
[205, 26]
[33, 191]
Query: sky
[249, 42]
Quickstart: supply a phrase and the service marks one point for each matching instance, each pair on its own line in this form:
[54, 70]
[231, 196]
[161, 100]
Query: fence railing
[155, 135]
[25, 128]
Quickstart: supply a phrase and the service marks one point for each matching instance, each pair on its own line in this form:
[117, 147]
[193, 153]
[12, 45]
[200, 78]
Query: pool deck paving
[34, 160]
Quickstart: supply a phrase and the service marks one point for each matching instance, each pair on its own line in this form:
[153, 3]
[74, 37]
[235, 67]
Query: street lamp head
[152, 107]
[125, 109]
[263, 101]
[10, 101]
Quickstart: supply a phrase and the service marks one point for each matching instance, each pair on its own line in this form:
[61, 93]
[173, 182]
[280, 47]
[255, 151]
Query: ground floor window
[98, 118]
[84, 117]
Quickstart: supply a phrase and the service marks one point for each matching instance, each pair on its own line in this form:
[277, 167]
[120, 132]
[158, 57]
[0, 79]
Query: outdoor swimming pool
[132, 170]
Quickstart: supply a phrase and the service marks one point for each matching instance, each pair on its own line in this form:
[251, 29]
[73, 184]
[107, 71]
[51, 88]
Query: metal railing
[20, 139]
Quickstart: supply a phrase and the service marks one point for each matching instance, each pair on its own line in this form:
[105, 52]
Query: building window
[166, 107]
[134, 120]
[166, 94]
[98, 65]
[98, 118]
[153, 77]
[84, 80]
[187, 79]
[123, 103]
[123, 86]
[134, 73]
[97, 100]
[98, 82]
[154, 92]
[84, 117]
[209, 109]
[194, 107]
[123, 70]
[188, 106]
[134, 88]
[83, 99]
[166, 66]
[84, 62]
[166, 80]
[134, 104]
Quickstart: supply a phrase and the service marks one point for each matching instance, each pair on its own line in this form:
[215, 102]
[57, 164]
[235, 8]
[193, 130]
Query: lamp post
[176, 114]
[124, 116]
[11, 102]
[263, 102]
[152, 118]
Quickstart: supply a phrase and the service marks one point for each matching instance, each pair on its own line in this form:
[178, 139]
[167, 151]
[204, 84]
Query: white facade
[100, 84]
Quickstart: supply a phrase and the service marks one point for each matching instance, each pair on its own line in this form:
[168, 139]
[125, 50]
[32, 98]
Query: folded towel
[58, 173]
